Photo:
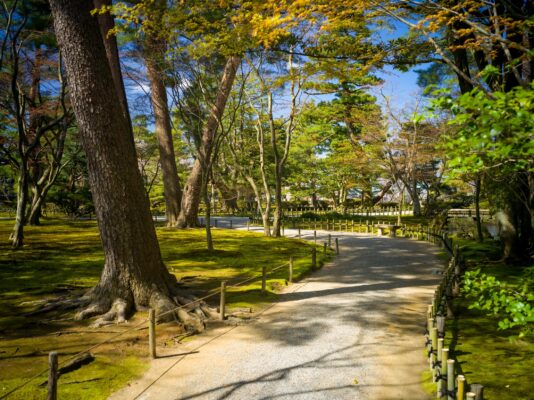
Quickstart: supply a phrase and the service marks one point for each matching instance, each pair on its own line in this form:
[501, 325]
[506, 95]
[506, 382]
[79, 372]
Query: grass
[485, 354]
[65, 258]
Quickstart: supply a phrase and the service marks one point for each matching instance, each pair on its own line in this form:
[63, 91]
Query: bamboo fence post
[263, 279]
[450, 380]
[440, 323]
[433, 351]
[478, 390]
[290, 278]
[222, 303]
[460, 392]
[52, 376]
[440, 367]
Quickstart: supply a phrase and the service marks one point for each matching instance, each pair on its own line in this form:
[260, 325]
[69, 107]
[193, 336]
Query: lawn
[64, 258]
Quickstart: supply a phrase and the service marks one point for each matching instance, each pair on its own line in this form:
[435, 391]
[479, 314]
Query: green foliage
[489, 131]
[514, 306]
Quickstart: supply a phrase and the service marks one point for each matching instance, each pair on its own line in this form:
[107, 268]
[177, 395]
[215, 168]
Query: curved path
[353, 330]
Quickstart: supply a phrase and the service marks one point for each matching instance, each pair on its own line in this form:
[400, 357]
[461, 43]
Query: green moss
[65, 258]
[485, 354]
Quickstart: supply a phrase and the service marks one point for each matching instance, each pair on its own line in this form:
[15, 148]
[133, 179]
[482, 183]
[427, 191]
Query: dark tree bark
[172, 192]
[134, 275]
[191, 196]
[106, 23]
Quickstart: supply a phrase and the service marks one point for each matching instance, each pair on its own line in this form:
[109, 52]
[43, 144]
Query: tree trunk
[278, 213]
[17, 237]
[171, 183]
[193, 187]
[209, 237]
[134, 275]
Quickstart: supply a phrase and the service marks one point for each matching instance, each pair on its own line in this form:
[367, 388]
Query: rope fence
[151, 322]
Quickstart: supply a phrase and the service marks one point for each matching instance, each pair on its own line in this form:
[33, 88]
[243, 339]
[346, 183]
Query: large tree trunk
[171, 183]
[192, 190]
[106, 23]
[134, 275]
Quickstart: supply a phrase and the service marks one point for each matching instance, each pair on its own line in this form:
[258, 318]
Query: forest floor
[64, 258]
[352, 330]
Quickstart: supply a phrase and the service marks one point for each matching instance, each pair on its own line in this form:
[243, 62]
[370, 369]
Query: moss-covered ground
[64, 258]
[485, 354]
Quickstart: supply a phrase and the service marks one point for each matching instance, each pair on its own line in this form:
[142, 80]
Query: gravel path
[353, 330]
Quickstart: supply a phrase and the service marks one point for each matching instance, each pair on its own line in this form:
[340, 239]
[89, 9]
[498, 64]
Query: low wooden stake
[222, 303]
[299, 234]
[315, 237]
[329, 240]
[314, 258]
[52, 376]
[290, 278]
[152, 333]
[337, 246]
[324, 248]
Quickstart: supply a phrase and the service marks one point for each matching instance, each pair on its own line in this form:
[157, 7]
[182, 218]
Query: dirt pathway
[353, 330]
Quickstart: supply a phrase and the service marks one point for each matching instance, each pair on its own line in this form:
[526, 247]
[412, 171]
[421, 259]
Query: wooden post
[152, 333]
[290, 278]
[329, 240]
[299, 233]
[52, 376]
[231, 224]
[460, 392]
[248, 225]
[352, 226]
[314, 237]
[450, 380]
[222, 303]
[263, 279]
[337, 246]
[324, 249]
[314, 258]
[215, 222]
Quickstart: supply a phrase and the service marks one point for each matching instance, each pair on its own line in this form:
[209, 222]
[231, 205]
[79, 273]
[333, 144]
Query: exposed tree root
[185, 310]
